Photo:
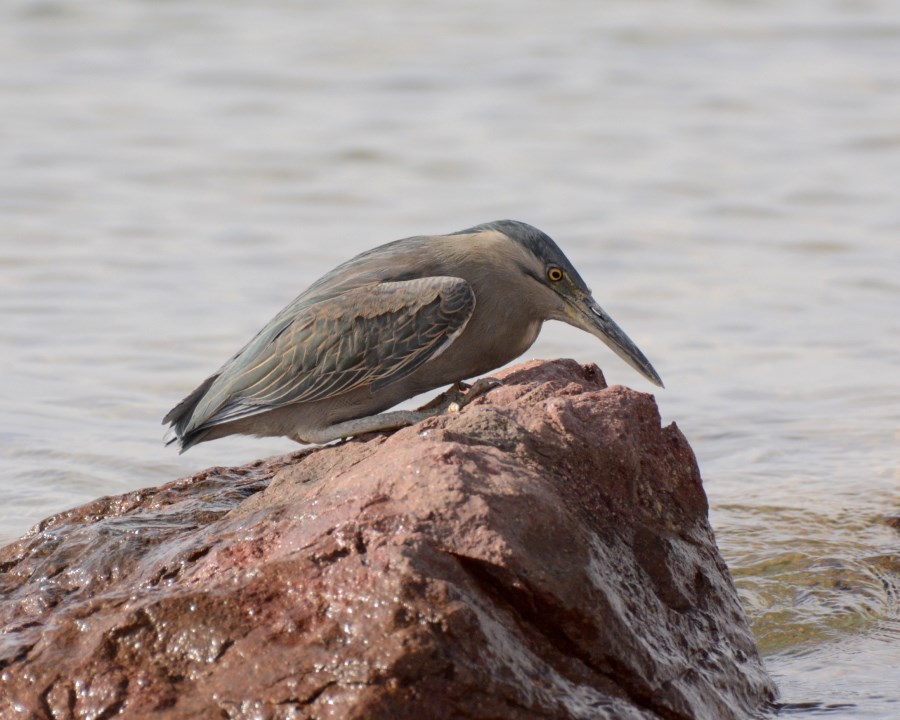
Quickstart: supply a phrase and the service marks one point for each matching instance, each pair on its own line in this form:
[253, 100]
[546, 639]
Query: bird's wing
[371, 335]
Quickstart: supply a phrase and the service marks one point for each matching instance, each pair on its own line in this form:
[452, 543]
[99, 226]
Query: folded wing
[371, 335]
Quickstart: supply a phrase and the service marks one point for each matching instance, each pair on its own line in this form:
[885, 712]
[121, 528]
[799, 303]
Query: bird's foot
[482, 386]
[459, 395]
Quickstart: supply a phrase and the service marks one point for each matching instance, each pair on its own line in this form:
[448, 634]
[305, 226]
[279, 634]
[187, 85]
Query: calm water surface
[725, 175]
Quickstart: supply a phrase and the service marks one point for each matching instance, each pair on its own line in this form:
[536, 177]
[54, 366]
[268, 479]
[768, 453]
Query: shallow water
[724, 175]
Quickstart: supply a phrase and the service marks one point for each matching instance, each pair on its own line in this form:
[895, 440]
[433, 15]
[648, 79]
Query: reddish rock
[545, 553]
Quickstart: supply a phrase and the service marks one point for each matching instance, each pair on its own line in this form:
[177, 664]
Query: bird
[396, 321]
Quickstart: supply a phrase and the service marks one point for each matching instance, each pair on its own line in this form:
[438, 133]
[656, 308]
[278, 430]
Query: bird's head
[554, 285]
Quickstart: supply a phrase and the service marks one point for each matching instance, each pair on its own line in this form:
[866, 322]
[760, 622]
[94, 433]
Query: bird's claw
[480, 387]
[461, 394]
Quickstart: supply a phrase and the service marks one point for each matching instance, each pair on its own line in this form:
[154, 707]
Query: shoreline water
[723, 179]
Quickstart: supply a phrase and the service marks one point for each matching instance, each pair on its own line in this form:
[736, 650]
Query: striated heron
[396, 321]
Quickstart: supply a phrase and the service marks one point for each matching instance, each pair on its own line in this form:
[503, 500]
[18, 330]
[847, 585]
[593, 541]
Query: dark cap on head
[535, 241]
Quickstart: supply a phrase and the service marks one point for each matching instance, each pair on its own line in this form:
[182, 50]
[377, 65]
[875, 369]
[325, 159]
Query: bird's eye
[554, 274]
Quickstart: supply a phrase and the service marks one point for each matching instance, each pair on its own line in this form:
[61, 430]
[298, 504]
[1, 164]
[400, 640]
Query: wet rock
[545, 553]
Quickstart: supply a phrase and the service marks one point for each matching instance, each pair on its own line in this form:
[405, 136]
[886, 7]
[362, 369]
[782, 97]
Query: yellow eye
[554, 274]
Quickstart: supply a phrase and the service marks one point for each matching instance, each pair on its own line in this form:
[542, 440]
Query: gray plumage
[393, 322]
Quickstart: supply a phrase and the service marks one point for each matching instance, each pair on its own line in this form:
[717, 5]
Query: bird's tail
[180, 417]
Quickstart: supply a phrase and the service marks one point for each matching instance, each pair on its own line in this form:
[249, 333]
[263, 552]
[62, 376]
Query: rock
[545, 553]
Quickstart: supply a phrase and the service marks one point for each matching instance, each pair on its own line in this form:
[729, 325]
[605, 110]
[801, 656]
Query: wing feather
[374, 335]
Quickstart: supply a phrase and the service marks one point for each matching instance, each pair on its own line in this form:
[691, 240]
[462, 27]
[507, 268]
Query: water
[723, 174]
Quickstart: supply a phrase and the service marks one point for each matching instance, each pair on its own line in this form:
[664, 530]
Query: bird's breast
[488, 343]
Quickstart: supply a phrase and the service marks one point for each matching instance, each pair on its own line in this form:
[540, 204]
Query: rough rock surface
[545, 553]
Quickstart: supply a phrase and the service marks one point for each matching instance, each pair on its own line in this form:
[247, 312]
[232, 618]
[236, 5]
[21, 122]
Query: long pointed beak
[587, 315]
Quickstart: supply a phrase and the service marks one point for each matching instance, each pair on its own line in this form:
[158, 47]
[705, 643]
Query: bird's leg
[449, 401]
[382, 422]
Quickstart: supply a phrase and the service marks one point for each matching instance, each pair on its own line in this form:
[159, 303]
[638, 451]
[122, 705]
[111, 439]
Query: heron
[396, 321]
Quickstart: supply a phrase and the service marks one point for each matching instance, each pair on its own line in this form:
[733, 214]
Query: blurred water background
[724, 174]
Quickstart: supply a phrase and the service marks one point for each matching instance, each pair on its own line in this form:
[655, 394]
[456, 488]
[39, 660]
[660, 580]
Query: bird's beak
[587, 315]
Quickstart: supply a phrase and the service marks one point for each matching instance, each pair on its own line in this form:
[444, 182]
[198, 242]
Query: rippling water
[725, 176]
